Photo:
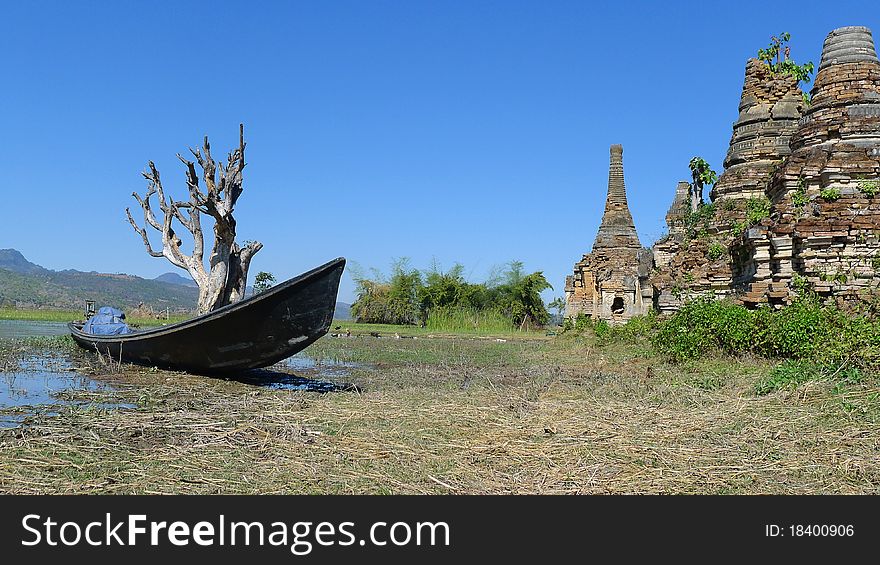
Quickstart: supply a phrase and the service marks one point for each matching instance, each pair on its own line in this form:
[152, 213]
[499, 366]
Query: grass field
[463, 414]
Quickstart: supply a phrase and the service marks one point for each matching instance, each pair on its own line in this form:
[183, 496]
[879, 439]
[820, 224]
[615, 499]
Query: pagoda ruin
[824, 228]
[797, 206]
[610, 283]
[695, 260]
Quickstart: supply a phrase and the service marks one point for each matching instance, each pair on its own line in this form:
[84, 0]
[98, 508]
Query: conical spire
[617, 229]
[852, 44]
[845, 99]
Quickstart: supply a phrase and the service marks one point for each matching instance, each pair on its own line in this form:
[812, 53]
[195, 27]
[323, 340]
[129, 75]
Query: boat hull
[253, 333]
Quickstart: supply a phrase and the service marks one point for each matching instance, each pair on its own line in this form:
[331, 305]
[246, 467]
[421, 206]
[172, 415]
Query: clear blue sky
[473, 132]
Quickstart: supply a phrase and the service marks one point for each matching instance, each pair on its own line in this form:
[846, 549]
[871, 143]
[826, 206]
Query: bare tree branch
[143, 233]
[225, 278]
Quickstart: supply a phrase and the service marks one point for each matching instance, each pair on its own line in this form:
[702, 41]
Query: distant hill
[23, 283]
[13, 260]
[27, 284]
[174, 278]
[343, 311]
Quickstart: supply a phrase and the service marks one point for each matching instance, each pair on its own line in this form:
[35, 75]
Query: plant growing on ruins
[777, 57]
[830, 193]
[716, 251]
[757, 209]
[702, 175]
[800, 283]
[698, 222]
[799, 197]
[774, 51]
[837, 277]
[807, 99]
[869, 188]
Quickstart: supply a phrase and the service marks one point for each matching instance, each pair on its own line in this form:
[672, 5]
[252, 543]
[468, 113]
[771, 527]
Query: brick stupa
[609, 283]
[697, 260]
[825, 225]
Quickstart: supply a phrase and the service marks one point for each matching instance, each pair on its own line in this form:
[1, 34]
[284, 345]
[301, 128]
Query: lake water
[16, 329]
[34, 384]
[302, 372]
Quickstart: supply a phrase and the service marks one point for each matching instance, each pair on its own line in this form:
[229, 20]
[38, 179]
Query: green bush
[716, 250]
[688, 333]
[830, 193]
[789, 373]
[635, 328]
[757, 209]
[601, 329]
[805, 330]
[869, 188]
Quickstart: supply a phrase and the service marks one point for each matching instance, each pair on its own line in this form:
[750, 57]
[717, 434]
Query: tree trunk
[225, 279]
[696, 196]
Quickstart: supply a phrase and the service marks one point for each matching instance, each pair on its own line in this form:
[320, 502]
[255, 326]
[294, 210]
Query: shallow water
[303, 372]
[302, 363]
[34, 384]
[15, 329]
[277, 380]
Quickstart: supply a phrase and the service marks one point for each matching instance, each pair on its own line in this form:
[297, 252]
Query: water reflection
[277, 380]
[302, 372]
[36, 384]
[16, 329]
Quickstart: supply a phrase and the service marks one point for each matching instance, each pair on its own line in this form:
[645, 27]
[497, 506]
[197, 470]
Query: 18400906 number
[822, 530]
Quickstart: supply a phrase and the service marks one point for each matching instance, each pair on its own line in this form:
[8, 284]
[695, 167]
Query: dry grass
[461, 416]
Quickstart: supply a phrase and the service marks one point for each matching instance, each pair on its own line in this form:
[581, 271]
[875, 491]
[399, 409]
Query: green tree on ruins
[778, 57]
[702, 175]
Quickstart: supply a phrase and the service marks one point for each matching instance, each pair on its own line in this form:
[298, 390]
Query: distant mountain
[13, 260]
[343, 311]
[174, 278]
[26, 284]
[23, 283]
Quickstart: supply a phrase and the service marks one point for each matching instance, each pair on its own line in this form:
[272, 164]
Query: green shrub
[757, 209]
[601, 329]
[789, 373]
[799, 197]
[869, 188]
[716, 250]
[687, 334]
[636, 328]
[805, 330]
[830, 193]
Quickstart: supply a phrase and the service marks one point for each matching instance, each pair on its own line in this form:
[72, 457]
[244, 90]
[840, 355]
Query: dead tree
[223, 281]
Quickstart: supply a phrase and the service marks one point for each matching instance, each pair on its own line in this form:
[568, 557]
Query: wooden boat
[255, 332]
